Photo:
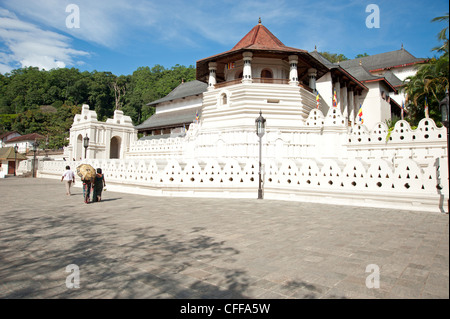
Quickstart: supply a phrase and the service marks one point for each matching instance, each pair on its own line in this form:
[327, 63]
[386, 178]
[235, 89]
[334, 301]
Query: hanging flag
[360, 114]
[427, 115]
[317, 99]
[230, 66]
[196, 116]
[334, 99]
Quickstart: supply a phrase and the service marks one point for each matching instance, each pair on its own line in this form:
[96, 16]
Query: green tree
[361, 55]
[334, 57]
[442, 35]
[430, 82]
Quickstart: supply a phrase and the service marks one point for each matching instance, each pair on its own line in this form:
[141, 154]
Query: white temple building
[201, 141]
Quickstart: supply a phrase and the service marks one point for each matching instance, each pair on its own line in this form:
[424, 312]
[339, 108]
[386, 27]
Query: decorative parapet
[120, 119]
[425, 143]
[85, 116]
[315, 119]
[376, 183]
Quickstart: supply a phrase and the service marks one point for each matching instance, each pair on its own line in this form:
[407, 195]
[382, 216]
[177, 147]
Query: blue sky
[120, 36]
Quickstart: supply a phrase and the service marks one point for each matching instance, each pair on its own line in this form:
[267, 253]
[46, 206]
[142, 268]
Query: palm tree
[431, 81]
[442, 35]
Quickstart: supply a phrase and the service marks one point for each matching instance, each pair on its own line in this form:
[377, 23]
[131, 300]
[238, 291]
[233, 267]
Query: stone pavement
[132, 246]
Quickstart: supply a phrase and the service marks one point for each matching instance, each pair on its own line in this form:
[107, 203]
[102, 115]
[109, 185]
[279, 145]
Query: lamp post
[34, 146]
[86, 145]
[445, 121]
[260, 130]
[16, 148]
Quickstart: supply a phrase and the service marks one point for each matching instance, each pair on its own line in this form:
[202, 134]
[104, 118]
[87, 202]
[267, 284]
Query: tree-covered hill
[45, 102]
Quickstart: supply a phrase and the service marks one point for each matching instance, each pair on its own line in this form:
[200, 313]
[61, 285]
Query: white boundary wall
[404, 170]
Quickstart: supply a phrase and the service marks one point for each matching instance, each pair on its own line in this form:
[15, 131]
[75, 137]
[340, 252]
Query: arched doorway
[115, 147]
[79, 150]
[266, 76]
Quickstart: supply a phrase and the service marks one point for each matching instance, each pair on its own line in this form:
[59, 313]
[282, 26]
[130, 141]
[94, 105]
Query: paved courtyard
[132, 246]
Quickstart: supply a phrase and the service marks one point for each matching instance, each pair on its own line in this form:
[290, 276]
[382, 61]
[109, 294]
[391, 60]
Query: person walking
[68, 177]
[99, 183]
[87, 184]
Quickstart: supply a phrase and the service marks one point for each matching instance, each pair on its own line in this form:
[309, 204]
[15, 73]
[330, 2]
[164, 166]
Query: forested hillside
[45, 102]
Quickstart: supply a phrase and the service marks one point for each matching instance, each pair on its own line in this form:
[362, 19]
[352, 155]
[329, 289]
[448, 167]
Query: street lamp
[34, 147]
[260, 130]
[86, 145]
[16, 148]
[445, 121]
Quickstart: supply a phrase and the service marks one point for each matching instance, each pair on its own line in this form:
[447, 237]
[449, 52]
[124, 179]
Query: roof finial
[360, 62]
[259, 21]
[402, 46]
[315, 47]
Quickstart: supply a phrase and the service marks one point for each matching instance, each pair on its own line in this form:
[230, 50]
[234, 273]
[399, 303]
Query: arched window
[115, 147]
[79, 149]
[224, 99]
[266, 73]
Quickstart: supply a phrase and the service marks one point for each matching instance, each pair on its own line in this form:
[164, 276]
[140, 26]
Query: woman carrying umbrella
[87, 174]
[99, 183]
[87, 191]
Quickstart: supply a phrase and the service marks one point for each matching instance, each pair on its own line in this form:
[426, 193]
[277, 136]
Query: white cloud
[28, 45]
[114, 24]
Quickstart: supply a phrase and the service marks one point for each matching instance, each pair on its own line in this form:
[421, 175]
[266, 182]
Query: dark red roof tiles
[28, 137]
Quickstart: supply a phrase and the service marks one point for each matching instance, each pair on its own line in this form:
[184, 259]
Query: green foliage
[430, 82]
[6, 121]
[334, 57]
[361, 55]
[391, 122]
[24, 91]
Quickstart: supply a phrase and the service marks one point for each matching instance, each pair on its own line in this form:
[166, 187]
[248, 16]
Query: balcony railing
[227, 83]
[260, 80]
[270, 81]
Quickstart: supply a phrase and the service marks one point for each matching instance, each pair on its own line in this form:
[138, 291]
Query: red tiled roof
[262, 43]
[5, 135]
[260, 38]
[28, 137]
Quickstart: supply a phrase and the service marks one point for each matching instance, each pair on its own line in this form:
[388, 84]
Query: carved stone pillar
[293, 73]
[247, 72]
[312, 74]
[212, 75]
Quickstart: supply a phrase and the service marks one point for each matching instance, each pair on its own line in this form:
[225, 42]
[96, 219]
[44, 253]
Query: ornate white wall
[323, 161]
[102, 135]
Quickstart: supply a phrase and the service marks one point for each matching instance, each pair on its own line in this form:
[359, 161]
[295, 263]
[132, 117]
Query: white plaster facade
[110, 139]
[308, 154]
[320, 160]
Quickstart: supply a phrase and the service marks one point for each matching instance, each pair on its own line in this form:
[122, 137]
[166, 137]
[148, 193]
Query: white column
[351, 106]
[357, 102]
[312, 74]
[337, 88]
[212, 75]
[344, 104]
[247, 72]
[293, 73]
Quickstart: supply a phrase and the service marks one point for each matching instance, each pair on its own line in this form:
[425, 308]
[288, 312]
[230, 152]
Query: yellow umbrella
[86, 172]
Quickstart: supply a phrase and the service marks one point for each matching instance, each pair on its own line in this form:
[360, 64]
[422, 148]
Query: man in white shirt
[68, 177]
